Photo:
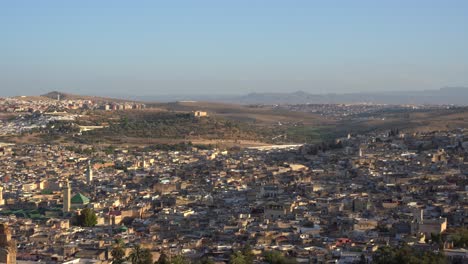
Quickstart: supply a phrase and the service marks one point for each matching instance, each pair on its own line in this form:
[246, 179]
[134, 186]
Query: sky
[138, 47]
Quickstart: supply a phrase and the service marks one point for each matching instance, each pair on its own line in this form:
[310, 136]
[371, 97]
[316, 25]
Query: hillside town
[313, 203]
[28, 114]
[45, 104]
[363, 110]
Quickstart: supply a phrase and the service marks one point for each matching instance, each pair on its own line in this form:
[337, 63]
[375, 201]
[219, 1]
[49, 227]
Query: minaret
[7, 245]
[2, 202]
[89, 173]
[66, 197]
[143, 163]
[418, 215]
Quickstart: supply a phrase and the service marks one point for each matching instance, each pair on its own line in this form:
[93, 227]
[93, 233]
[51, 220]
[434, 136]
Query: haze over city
[127, 48]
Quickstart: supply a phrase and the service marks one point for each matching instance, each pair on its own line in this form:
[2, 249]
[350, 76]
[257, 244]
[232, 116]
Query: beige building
[365, 224]
[433, 226]
[274, 211]
[200, 114]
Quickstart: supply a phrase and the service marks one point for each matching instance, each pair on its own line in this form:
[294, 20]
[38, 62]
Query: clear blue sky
[231, 46]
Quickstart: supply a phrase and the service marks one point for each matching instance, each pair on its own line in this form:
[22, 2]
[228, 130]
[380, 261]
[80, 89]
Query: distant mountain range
[443, 96]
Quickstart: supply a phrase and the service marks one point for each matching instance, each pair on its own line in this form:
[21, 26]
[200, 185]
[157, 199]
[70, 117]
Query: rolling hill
[254, 124]
[67, 96]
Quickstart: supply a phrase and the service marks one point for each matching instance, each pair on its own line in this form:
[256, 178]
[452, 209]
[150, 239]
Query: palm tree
[118, 253]
[179, 259]
[237, 258]
[163, 259]
[140, 255]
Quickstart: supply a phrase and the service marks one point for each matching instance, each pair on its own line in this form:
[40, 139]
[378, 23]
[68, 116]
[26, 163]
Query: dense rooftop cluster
[313, 204]
[25, 104]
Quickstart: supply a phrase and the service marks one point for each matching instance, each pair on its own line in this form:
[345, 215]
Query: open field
[411, 121]
[263, 115]
[138, 141]
[236, 125]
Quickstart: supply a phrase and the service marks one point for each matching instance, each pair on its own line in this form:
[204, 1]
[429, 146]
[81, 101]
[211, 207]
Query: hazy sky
[231, 46]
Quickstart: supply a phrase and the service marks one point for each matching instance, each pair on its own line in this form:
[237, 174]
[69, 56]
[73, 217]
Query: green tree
[204, 260]
[109, 150]
[87, 218]
[437, 239]
[460, 237]
[140, 255]
[237, 258]
[247, 252]
[163, 259]
[406, 254]
[179, 259]
[118, 253]
[275, 257]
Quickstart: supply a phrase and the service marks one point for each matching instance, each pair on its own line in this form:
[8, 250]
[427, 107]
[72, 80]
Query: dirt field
[261, 115]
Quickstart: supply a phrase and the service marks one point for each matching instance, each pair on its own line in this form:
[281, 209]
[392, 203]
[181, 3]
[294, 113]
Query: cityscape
[234, 132]
[314, 203]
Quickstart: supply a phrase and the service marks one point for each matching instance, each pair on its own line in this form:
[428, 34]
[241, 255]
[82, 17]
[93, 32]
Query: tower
[7, 246]
[89, 173]
[143, 162]
[2, 202]
[66, 197]
[418, 215]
